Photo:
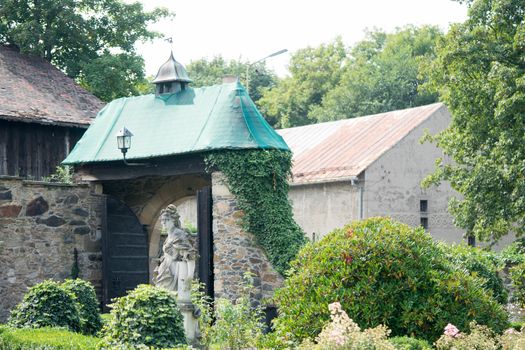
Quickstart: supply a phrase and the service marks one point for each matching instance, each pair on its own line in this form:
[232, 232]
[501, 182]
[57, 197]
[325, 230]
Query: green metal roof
[193, 120]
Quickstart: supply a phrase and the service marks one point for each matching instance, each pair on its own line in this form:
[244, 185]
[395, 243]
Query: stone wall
[40, 226]
[236, 251]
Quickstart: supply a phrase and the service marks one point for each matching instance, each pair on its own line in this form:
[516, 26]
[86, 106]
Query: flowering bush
[382, 272]
[344, 334]
[480, 338]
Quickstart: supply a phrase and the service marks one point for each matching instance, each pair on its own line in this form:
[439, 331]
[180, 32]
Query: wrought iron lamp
[124, 143]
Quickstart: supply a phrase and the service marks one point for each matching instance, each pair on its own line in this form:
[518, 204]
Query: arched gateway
[172, 131]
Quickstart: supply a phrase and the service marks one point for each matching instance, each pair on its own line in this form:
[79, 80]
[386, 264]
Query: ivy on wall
[259, 181]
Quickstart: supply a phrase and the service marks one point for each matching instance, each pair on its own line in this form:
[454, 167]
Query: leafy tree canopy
[90, 40]
[206, 72]
[314, 72]
[480, 74]
[378, 74]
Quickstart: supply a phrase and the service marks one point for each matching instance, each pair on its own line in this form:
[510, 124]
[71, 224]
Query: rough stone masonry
[40, 226]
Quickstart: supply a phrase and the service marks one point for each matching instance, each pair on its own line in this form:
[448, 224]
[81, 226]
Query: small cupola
[171, 77]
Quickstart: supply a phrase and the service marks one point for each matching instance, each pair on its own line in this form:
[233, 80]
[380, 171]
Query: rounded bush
[86, 298]
[479, 263]
[46, 304]
[407, 343]
[148, 316]
[382, 272]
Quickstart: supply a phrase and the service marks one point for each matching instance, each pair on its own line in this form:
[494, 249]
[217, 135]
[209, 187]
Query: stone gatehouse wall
[40, 225]
[236, 251]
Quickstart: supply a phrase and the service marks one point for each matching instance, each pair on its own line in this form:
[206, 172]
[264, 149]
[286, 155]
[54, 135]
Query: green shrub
[408, 343]
[146, 315]
[46, 304]
[44, 339]
[479, 263]
[382, 272]
[232, 325]
[513, 254]
[517, 276]
[87, 304]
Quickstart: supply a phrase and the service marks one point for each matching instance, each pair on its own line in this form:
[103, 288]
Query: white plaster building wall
[392, 183]
[322, 207]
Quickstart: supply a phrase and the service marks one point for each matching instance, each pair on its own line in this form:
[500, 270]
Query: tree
[206, 72]
[92, 41]
[378, 74]
[480, 74]
[314, 72]
[382, 73]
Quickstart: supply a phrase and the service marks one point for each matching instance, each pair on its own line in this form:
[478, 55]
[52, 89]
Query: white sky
[253, 29]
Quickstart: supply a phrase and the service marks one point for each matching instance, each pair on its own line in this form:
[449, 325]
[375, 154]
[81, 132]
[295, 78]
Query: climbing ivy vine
[259, 181]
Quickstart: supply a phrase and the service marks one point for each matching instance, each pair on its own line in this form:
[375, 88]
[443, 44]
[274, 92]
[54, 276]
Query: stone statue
[177, 264]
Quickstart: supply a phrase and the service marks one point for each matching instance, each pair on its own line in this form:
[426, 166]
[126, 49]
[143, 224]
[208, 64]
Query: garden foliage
[408, 343]
[259, 181]
[513, 259]
[230, 325]
[87, 302]
[47, 304]
[44, 339]
[479, 263]
[148, 316]
[382, 272]
[517, 276]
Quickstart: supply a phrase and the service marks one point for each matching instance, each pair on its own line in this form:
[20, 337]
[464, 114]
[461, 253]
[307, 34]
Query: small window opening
[424, 223]
[423, 205]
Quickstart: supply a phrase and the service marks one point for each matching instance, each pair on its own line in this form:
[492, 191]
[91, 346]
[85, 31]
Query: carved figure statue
[177, 264]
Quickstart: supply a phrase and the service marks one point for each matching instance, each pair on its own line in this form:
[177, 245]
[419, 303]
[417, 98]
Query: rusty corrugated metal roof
[343, 149]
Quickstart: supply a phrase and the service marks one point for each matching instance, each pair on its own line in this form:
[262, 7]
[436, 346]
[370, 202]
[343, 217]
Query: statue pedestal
[191, 324]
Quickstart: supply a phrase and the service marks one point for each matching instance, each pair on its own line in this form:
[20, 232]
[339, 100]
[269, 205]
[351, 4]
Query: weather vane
[170, 41]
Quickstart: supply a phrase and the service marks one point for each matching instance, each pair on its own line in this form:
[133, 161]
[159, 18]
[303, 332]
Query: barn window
[423, 205]
[424, 223]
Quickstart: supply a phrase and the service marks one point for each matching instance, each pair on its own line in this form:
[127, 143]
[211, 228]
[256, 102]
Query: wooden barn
[43, 113]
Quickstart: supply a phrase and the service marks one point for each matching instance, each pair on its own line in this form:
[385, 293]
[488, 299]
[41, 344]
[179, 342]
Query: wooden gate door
[125, 251]
[204, 226]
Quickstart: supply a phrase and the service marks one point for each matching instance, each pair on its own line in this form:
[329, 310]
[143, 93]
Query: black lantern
[124, 140]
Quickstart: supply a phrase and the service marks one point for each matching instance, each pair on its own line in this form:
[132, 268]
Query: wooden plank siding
[32, 150]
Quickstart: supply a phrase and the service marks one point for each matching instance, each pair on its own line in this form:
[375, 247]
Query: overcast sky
[253, 29]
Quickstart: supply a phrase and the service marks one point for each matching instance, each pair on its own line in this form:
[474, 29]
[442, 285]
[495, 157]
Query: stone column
[237, 251]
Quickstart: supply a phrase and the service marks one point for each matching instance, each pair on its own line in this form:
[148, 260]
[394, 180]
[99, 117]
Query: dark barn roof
[33, 90]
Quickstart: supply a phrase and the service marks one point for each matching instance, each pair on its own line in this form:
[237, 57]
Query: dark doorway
[125, 251]
[204, 226]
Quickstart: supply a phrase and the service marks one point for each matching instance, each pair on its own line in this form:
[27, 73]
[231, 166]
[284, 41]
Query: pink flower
[451, 330]
[511, 331]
